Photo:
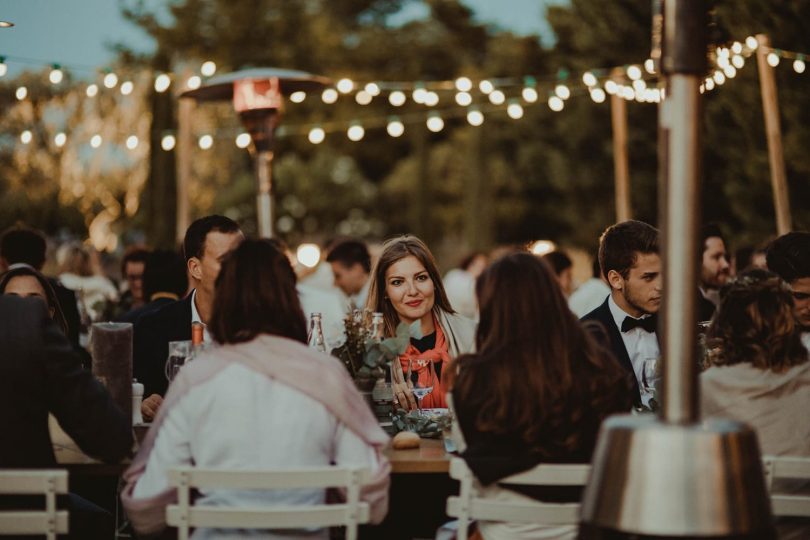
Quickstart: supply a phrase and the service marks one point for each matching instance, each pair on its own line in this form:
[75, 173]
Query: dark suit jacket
[40, 373]
[153, 332]
[70, 309]
[133, 315]
[705, 308]
[603, 316]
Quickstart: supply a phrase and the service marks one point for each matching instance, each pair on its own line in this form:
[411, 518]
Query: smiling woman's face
[410, 289]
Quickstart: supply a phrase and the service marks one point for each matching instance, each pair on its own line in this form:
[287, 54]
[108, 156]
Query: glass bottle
[197, 338]
[315, 339]
[377, 326]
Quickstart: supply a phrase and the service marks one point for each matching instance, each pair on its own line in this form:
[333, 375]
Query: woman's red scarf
[439, 354]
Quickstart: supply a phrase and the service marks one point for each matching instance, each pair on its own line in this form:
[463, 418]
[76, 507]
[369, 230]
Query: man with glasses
[789, 257]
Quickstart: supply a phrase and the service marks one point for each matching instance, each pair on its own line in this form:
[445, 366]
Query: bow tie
[648, 324]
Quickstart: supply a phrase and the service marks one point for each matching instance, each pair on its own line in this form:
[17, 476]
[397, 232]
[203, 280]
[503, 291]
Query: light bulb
[395, 128]
[773, 59]
[162, 83]
[463, 99]
[56, 75]
[208, 68]
[639, 85]
[373, 89]
[798, 65]
[486, 86]
[243, 140]
[127, 88]
[719, 77]
[309, 255]
[329, 96]
[206, 142]
[419, 95]
[21, 93]
[475, 117]
[435, 123]
[611, 87]
[738, 61]
[598, 95]
[751, 42]
[730, 71]
[432, 99]
[345, 85]
[95, 141]
[60, 139]
[298, 97]
[710, 84]
[589, 79]
[397, 98]
[514, 110]
[562, 91]
[110, 80]
[736, 47]
[496, 97]
[3, 69]
[723, 61]
[92, 90]
[649, 66]
[194, 82]
[132, 142]
[628, 93]
[633, 72]
[529, 94]
[26, 137]
[316, 135]
[168, 142]
[363, 98]
[463, 84]
[355, 132]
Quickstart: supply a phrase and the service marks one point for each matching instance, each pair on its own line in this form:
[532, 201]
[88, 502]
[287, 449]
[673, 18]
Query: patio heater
[257, 96]
[674, 476]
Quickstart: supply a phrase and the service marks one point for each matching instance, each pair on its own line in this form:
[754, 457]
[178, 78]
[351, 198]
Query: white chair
[796, 468]
[184, 515]
[50, 521]
[468, 506]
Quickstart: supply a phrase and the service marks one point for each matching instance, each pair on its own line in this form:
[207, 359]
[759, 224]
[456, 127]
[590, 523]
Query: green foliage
[422, 423]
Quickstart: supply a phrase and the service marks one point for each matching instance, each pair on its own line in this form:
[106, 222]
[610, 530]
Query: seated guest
[165, 280]
[133, 265]
[405, 288]
[758, 370]
[351, 265]
[459, 284]
[714, 270]
[26, 282]
[206, 242]
[564, 270]
[81, 272]
[531, 393]
[257, 402]
[789, 257]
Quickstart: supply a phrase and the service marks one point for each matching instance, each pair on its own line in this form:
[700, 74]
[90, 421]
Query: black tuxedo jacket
[153, 332]
[603, 316]
[40, 374]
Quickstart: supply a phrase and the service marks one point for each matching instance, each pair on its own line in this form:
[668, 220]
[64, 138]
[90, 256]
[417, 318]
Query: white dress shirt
[195, 317]
[640, 345]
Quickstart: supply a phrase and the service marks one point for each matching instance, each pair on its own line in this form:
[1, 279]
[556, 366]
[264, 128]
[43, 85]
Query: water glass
[179, 353]
[422, 376]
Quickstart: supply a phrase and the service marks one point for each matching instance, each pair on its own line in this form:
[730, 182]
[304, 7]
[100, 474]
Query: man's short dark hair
[350, 252]
[23, 245]
[789, 256]
[621, 243]
[133, 254]
[165, 271]
[559, 261]
[194, 242]
[710, 230]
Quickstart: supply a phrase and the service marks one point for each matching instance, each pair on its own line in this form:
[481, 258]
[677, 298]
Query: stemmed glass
[179, 352]
[421, 374]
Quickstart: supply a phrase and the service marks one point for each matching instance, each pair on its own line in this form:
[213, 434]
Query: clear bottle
[377, 326]
[315, 339]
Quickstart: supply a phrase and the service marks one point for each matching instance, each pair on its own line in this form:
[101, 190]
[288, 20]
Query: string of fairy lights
[467, 98]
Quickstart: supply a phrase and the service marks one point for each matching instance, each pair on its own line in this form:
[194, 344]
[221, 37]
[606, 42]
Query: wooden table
[430, 457]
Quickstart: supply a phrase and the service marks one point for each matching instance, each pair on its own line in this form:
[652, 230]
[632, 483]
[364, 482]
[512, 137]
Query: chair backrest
[468, 505]
[795, 468]
[184, 515]
[49, 483]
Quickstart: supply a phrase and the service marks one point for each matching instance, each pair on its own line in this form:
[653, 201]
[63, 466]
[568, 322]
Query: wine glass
[179, 352]
[422, 375]
[649, 374]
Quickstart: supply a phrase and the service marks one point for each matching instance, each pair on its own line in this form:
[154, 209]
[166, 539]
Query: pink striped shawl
[290, 363]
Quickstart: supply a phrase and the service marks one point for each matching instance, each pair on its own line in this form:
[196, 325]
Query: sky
[78, 33]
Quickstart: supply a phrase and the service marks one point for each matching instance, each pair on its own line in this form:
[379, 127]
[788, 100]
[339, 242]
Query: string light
[168, 142]
[486, 86]
[730, 71]
[719, 77]
[208, 68]
[162, 83]
[26, 137]
[633, 72]
[329, 96]
[514, 110]
[127, 88]
[298, 97]
[95, 141]
[59, 140]
[475, 117]
[316, 135]
[751, 42]
[373, 89]
[110, 80]
[397, 98]
[243, 140]
[639, 85]
[193, 82]
[355, 132]
[562, 91]
[21, 93]
[363, 98]
[463, 84]
[435, 122]
[463, 99]
[529, 94]
[710, 84]
[773, 59]
[738, 61]
[589, 79]
[92, 90]
[206, 142]
[723, 61]
[611, 87]
[598, 95]
[132, 142]
[496, 97]
[419, 94]
[649, 66]
[432, 99]
[798, 65]
[345, 85]
[628, 93]
[737, 47]
[395, 128]
[56, 75]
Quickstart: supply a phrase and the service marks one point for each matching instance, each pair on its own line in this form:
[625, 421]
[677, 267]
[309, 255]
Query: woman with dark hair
[406, 287]
[536, 390]
[25, 281]
[258, 401]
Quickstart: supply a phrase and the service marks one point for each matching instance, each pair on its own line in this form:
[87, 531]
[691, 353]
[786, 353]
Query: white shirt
[640, 345]
[806, 340]
[195, 317]
[359, 299]
[588, 297]
[459, 286]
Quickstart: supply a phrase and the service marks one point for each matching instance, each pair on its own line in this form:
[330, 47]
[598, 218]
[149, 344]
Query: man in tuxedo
[40, 373]
[628, 256]
[789, 257]
[714, 270]
[208, 240]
